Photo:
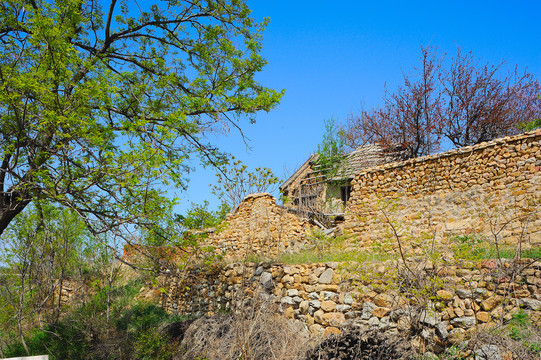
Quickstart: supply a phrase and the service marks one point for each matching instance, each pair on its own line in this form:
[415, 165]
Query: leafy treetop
[235, 182]
[103, 106]
[199, 217]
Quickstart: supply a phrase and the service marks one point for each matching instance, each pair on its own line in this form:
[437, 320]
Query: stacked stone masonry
[482, 190]
[260, 227]
[459, 192]
[323, 298]
[491, 190]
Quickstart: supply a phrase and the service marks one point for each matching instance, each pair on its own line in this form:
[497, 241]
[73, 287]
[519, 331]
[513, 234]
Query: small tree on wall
[330, 150]
[235, 182]
[331, 164]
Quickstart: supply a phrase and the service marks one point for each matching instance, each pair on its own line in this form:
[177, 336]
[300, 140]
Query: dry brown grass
[517, 340]
[258, 332]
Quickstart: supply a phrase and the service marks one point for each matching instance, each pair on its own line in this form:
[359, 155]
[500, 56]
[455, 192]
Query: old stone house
[320, 193]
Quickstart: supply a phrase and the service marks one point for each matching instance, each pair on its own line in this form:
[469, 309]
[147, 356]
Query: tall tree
[482, 103]
[464, 103]
[409, 118]
[101, 109]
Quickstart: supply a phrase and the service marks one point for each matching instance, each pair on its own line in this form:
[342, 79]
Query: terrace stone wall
[448, 301]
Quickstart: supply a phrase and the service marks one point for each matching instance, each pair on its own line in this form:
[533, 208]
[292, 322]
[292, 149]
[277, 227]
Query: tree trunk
[21, 333]
[9, 208]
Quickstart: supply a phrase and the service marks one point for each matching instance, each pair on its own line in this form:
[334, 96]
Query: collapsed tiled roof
[361, 158]
[368, 156]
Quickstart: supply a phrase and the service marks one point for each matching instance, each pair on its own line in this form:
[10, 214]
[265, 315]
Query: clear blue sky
[331, 57]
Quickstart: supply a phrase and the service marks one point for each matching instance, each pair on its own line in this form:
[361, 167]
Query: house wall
[333, 199]
[260, 227]
[291, 189]
[466, 191]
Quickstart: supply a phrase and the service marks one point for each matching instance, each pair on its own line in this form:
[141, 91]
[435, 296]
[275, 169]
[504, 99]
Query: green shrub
[60, 341]
[520, 329]
[133, 331]
[141, 317]
[151, 345]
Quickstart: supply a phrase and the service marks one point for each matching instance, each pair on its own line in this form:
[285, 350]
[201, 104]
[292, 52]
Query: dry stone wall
[476, 190]
[260, 227]
[491, 188]
[326, 297]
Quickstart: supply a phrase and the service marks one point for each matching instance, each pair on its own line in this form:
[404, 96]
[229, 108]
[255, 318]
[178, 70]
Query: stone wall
[459, 192]
[447, 301]
[258, 226]
[491, 190]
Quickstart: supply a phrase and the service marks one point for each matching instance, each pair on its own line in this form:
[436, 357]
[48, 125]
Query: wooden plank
[39, 357]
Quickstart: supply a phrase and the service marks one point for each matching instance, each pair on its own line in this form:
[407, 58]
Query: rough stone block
[328, 306]
[464, 322]
[380, 312]
[326, 276]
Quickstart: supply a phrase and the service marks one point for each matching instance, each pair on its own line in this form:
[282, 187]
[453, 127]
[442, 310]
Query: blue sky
[333, 57]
